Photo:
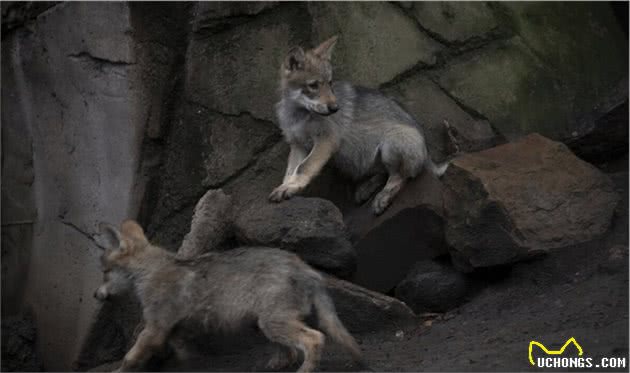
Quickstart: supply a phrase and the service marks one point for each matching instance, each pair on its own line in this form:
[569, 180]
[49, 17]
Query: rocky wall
[116, 110]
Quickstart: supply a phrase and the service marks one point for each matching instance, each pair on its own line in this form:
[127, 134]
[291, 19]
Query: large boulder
[509, 202]
[432, 287]
[313, 228]
[411, 229]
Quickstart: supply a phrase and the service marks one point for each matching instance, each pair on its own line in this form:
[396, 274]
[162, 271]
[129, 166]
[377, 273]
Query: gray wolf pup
[369, 137]
[270, 288]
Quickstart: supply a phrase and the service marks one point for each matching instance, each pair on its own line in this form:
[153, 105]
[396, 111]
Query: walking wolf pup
[270, 288]
[368, 136]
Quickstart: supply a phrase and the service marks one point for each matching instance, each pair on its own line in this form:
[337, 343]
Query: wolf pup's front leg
[296, 156]
[306, 170]
[149, 341]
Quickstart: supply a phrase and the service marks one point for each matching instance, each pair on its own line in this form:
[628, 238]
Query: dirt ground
[579, 292]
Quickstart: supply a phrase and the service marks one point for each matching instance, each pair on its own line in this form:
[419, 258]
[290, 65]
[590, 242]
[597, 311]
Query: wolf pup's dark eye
[313, 86]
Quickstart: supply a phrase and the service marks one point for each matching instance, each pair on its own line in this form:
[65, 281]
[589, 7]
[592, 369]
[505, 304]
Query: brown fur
[269, 288]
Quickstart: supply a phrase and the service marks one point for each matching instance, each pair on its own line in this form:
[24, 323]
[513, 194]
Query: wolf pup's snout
[101, 293]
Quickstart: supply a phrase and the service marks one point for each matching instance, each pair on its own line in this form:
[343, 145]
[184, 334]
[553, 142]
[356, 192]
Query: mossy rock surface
[564, 68]
[377, 40]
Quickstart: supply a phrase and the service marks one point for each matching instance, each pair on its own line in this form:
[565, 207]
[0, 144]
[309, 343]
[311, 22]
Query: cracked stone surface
[502, 83]
[585, 97]
[252, 52]
[455, 22]
[205, 150]
[116, 47]
[248, 135]
[18, 13]
[377, 41]
[432, 107]
[537, 84]
[217, 15]
[83, 145]
[81, 99]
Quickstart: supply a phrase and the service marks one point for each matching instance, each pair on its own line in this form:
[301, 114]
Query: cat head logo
[553, 352]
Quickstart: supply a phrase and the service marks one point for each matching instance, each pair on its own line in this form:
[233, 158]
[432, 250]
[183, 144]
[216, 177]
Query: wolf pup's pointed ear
[109, 237]
[325, 49]
[131, 229]
[295, 59]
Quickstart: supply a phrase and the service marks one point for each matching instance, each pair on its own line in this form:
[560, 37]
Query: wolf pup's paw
[369, 187]
[281, 359]
[362, 194]
[381, 202]
[284, 191]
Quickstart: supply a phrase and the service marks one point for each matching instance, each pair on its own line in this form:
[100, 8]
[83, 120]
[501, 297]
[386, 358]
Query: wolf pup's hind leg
[282, 357]
[384, 198]
[369, 187]
[403, 155]
[295, 334]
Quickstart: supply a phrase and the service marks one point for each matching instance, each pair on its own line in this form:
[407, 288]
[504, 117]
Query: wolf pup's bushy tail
[333, 327]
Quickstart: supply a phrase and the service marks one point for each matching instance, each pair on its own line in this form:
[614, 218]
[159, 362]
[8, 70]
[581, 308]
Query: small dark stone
[617, 260]
[432, 287]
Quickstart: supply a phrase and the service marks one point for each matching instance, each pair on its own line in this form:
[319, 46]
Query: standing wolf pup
[367, 135]
[270, 288]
